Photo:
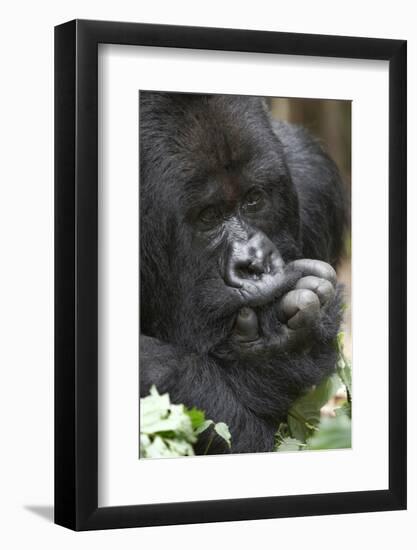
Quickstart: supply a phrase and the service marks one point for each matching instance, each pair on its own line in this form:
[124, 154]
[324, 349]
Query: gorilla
[241, 226]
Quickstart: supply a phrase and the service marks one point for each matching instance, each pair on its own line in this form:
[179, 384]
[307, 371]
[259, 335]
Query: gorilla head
[219, 214]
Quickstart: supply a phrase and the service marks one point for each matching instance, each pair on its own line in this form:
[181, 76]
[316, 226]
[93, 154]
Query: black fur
[194, 148]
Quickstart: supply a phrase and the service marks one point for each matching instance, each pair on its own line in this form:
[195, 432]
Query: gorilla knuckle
[307, 299]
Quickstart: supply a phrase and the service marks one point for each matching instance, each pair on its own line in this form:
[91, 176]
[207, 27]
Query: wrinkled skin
[241, 222]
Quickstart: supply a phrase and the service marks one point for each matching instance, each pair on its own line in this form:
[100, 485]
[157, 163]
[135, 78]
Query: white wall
[26, 295]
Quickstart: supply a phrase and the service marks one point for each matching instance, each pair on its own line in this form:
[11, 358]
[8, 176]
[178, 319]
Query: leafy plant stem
[210, 441]
[302, 419]
[346, 365]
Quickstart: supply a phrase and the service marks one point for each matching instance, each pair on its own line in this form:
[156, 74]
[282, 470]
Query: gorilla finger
[298, 306]
[289, 338]
[305, 317]
[246, 327]
[317, 268]
[294, 337]
[322, 287]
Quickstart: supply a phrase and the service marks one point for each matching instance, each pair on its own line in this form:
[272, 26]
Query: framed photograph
[230, 252]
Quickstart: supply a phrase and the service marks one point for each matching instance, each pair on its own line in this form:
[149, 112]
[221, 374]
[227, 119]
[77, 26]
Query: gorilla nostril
[250, 269]
[256, 266]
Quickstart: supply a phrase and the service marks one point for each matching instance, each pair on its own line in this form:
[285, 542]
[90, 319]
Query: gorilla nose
[251, 260]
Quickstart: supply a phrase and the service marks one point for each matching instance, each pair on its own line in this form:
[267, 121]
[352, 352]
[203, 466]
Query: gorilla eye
[209, 215]
[254, 200]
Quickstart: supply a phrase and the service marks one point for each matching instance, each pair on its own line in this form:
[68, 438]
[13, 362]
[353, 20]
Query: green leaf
[289, 444]
[180, 447]
[155, 449]
[203, 427]
[334, 433]
[282, 432]
[340, 341]
[197, 417]
[344, 371]
[175, 421]
[222, 429]
[168, 430]
[344, 367]
[153, 409]
[304, 414]
[345, 409]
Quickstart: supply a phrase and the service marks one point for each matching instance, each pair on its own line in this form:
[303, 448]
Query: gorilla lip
[259, 292]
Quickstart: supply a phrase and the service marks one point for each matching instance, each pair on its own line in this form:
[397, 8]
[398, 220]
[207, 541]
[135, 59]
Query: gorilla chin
[241, 224]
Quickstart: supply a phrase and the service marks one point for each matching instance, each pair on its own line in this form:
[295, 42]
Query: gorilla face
[241, 220]
[224, 216]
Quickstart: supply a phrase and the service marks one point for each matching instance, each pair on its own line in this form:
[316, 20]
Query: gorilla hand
[247, 326]
[301, 309]
[294, 321]
[316, 288]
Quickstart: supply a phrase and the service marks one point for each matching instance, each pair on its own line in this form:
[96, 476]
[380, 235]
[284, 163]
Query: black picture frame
[76, 271]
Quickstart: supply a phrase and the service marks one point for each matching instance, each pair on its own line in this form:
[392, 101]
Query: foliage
[169, 430]
[344, 370]
[305, 429]
[304, 415]
[333, 433]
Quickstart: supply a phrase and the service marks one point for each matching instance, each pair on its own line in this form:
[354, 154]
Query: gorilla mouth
[262, 290]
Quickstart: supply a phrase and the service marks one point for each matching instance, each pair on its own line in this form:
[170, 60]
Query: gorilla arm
[199, 381]
[250, 387]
